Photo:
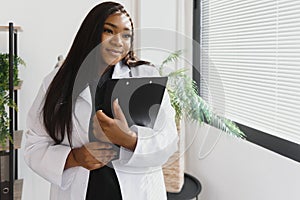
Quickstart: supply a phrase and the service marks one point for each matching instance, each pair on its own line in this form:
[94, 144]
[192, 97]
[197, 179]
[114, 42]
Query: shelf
[18, 188]
[17, 141]
[9, 158]
[18, 87]
[6, 28]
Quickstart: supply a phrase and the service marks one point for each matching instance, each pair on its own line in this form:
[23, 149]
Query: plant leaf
[185, 100]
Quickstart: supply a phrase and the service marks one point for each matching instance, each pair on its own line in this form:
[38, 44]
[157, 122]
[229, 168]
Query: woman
[59, 145]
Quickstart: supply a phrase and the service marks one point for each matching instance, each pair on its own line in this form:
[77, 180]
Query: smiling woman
[77, 150]
[116, 38]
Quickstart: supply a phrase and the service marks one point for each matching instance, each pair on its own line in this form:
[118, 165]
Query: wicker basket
[173, 170]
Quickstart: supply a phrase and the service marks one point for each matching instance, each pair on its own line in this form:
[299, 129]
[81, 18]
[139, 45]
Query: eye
[107, 30]
[127, 36]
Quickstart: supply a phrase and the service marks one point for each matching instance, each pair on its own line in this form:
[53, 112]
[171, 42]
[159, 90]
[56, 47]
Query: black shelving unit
[10, 185]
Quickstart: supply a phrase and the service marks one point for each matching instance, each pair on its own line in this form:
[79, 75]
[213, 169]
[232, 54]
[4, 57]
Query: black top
[103, 182]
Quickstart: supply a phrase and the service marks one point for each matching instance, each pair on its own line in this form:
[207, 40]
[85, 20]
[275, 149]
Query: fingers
[97, 145]
[98, 132]
[95, 155]
[118, 111]
[100, 151]
[103, 118]
[96, 122]
[104, 156]
[103, 153]
[101, 136]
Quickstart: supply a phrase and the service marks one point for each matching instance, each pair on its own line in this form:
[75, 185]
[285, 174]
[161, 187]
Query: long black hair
[60, 98]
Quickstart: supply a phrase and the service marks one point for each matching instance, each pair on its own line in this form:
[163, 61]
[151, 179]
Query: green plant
[185, 100]
[5, 101]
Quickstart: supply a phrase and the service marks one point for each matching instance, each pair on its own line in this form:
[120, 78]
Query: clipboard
[139, 98]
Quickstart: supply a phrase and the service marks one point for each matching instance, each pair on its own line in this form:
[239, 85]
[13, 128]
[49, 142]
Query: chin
[112, 60]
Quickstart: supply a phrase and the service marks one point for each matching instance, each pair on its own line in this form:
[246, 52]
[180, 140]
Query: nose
[116, 40]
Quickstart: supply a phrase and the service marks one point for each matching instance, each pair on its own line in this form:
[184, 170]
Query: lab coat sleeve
[154, 146]
[41, 154]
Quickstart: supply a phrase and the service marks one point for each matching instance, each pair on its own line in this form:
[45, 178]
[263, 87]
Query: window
[250, 63]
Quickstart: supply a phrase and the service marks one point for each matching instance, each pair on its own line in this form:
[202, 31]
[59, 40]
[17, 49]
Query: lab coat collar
[86, 95]
[120, 71]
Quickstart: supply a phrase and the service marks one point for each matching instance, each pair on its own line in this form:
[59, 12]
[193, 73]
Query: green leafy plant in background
[5, 102]
[185, 100]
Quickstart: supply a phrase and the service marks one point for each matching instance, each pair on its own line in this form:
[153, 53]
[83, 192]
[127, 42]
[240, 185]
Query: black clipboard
[139, 98]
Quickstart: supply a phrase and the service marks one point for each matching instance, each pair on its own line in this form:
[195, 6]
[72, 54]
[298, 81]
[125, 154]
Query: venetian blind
[250, 63]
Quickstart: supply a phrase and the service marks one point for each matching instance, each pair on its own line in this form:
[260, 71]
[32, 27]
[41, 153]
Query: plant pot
[173, 169]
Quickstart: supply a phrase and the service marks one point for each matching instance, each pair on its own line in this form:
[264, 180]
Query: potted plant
[187, 103]
[5, 102]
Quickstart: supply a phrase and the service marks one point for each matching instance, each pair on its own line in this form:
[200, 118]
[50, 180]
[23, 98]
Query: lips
[114, 52]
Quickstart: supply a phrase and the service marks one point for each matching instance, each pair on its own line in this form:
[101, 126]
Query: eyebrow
[114, 26]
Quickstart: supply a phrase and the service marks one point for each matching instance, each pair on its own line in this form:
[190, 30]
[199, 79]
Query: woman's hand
[98, 132]
[91, 156]
[116, 130]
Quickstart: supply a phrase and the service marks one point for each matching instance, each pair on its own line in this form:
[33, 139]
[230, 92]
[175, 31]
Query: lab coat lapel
[120, 71]
[84, 101]
[82, 114]
[86, 95]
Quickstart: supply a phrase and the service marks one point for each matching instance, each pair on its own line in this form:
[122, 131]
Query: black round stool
[190, 190]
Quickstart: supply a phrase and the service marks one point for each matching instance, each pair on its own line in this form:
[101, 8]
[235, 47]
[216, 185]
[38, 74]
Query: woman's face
[116, 38]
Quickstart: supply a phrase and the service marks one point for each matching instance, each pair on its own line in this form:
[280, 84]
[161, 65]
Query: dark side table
[190, 190]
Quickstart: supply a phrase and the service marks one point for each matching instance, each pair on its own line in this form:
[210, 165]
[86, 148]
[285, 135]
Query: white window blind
[250, 63]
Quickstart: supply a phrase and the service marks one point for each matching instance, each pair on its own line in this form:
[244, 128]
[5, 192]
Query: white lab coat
[139, 172]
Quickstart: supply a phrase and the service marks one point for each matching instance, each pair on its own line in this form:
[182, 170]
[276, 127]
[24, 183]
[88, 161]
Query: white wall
[157, 22]
[165, 26]
[234, 169]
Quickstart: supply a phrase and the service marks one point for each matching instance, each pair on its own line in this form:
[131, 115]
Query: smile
[114, 52]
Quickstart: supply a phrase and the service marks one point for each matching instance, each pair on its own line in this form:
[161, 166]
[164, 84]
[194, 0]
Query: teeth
[114, 52]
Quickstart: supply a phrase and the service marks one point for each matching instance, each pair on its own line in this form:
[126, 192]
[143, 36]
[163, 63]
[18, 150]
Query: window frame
[281, 146]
